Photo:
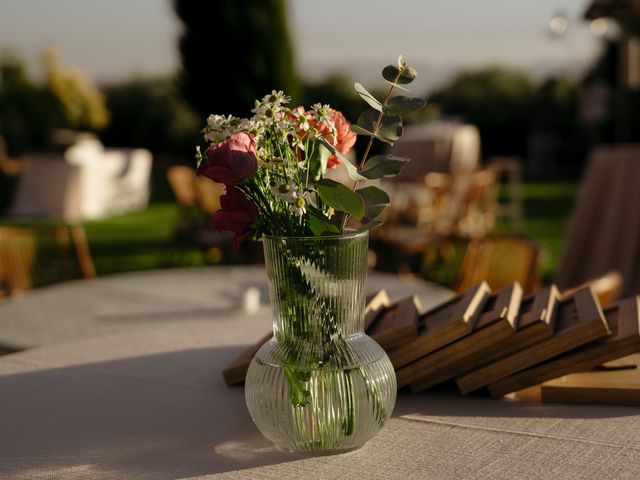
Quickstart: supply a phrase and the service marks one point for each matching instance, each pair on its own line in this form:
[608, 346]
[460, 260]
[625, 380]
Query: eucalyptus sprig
[382, 122]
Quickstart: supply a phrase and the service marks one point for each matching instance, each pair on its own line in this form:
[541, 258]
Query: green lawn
[141, 241]
[137, 241]
[547, 209]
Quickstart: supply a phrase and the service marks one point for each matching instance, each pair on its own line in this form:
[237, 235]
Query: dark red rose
[236, 215]
[230, 161]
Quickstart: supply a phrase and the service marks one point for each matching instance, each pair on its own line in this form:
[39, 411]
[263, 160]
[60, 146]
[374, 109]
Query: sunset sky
[118, 39]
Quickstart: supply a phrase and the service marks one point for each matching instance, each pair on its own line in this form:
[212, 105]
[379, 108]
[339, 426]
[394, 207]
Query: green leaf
[352, 171]
[324, 160]
[400, 105]
[297, 381]
[408, 75]
[368, 119]
[404, 75]
[369, 226]
[341, 198]
[390, 127]
[395, 85]
[383, 166]
[390, 72]
[318, 163]
[319, 224]
[362, 131]
[367, 97]
[375, 201]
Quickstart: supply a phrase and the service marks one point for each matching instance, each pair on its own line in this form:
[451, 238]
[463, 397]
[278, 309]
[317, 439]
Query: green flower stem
[301, 300]
[258, 194]
[308, 165]
[376, 127]
[378, 122]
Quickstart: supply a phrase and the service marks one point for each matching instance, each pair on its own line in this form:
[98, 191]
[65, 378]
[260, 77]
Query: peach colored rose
[336, 131]
[345, 138]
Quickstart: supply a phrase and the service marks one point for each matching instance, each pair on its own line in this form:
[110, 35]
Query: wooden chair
[198, 199]
[17, 260]
[182, 181]
[434, 216]
[192, 191]
[500, 261]
[27, 257]
[460, 206]
[478, 213]
[78, 237]
[606, 287]
[208, 194]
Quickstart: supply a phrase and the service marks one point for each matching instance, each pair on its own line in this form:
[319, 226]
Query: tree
[234, 52]
[81, 104]
[150, 113]
[497, 101]
[27, 110]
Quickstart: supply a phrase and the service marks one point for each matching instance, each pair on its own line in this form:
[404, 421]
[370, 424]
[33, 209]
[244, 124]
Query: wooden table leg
[83, 253]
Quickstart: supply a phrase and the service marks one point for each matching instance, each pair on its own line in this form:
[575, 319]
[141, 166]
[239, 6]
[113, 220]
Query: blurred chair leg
[5, 290]
[85, 261]
[62, 242]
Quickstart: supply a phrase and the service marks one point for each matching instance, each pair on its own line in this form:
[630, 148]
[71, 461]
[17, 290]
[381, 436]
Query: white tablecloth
[142, 300]
[153, 405]
[150, 403]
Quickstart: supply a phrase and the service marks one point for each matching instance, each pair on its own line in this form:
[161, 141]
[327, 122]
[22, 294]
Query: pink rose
[230, 161]
[236, 215]
[345, 138]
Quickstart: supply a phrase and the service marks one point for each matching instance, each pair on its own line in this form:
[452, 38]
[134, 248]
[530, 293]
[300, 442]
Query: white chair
[86, 183]
[112, 181]
[443, 147]
[49, 188]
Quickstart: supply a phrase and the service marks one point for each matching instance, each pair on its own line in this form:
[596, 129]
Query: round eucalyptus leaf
[389, 128]
[390, 72]
[401, 104]
[383, 166]
[367, 97]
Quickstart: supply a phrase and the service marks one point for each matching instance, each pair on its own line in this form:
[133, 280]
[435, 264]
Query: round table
[150, 403]
[142, 300]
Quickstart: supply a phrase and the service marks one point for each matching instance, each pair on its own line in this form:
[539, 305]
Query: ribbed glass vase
[320, 385]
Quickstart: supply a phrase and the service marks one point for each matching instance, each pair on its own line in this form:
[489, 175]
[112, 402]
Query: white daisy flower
[276, 98]
[271, 108]
[285, 191]
[324, 112]
[299, 204]
[220, 128]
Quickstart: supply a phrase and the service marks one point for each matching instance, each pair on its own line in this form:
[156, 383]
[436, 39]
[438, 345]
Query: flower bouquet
[320, 385]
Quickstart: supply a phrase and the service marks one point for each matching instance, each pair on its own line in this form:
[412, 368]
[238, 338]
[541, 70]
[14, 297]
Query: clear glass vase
[320, 385]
